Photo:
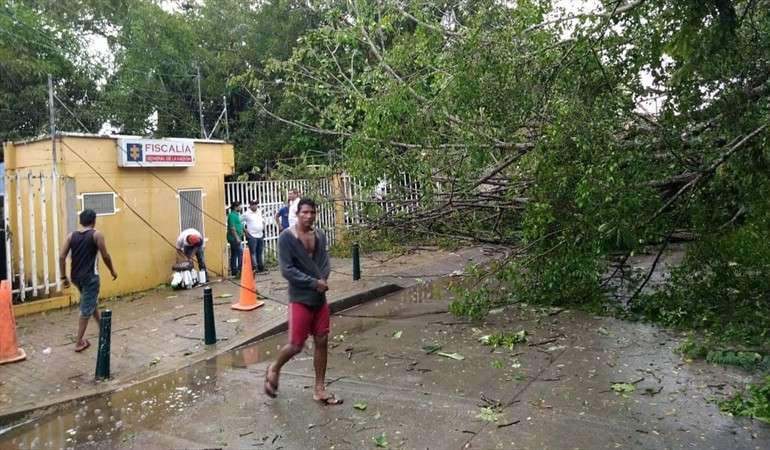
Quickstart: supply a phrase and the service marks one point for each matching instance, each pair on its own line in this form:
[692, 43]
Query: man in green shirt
[235, 237]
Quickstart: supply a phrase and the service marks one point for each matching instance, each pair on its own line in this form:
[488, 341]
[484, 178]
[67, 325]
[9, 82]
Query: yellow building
[144, 192]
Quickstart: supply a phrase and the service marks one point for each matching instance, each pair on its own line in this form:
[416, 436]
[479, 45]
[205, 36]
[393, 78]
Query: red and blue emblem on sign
[137, 152]
[134, 152]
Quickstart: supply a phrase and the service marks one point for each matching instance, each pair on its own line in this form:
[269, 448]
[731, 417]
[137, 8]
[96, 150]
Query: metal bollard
[209, 332]
[103, 352]
[356, 262]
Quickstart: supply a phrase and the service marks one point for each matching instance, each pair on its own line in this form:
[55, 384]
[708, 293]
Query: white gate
[399, 195]
[388, 197]
[31, 217]
[272, 195]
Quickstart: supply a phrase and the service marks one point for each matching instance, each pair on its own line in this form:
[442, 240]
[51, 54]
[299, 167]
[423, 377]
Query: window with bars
[103, 203]
[191, 209]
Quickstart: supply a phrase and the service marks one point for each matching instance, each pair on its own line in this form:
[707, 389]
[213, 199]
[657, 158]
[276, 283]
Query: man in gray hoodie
[304, 263]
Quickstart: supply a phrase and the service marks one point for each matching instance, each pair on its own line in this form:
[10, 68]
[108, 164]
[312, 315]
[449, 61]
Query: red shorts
[304, 321]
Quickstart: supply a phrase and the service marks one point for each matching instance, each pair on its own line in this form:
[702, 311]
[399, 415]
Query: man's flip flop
[329, 401]
[270, 388]
[80, 349]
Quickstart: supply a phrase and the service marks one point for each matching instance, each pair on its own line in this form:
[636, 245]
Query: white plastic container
[187, 279]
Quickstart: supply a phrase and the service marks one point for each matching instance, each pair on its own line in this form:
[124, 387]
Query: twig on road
[503, 425]
[183, 316]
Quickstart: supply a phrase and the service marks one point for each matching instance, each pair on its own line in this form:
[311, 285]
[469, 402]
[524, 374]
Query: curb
[218, 349]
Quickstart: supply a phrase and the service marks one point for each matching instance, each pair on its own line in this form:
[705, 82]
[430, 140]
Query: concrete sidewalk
[161, 331]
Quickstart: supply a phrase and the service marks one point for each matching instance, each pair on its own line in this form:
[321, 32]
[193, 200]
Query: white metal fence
[31, 197]
[272, 195]
[389, 196]
[36, 242]
[355, 200]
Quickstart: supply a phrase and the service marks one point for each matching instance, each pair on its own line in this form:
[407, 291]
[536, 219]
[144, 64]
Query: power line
[156, 231]
[153, 174]
[156, 176]
[151, 227]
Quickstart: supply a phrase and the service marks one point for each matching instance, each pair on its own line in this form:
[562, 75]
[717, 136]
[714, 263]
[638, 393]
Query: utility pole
[227, 126]
[52, 118]
[200, 104]
[54, 179]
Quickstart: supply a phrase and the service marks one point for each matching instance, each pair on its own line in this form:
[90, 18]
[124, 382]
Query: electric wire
[155, 230]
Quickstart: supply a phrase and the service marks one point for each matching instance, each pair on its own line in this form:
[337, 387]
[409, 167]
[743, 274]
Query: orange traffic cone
[248, 300]
[9, 349]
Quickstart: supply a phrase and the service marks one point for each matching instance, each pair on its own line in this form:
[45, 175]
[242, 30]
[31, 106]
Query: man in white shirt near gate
[293, 202]
[254, 224]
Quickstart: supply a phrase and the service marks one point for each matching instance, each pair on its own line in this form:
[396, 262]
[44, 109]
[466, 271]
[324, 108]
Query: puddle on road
[106, 421]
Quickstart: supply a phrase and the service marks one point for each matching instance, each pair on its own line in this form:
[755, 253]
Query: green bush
[754, 403]
[369, 241]
[722, 287]
[472, 304]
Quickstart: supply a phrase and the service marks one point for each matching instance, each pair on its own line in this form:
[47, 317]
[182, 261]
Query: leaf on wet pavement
[431, 348]
[455, 356]
[361, 406]
[380, 441]
[397, 334]
[488, 414]
[504, 339]
[603, 331]
[497, 364]
[623, 388]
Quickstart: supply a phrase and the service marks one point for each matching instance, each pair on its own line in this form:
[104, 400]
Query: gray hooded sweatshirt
[302, 270]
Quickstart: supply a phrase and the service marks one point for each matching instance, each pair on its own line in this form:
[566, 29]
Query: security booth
[144, 191]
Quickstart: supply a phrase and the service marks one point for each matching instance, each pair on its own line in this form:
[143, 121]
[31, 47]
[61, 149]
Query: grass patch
[504, 339]
[369, 241]
[754, 403]
[714, 353]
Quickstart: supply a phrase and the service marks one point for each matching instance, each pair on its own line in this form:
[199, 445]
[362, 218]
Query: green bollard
[209, 332]
[356, 262]
[103, 352]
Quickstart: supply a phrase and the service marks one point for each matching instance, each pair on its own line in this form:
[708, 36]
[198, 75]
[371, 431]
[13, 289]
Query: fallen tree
[528, 126]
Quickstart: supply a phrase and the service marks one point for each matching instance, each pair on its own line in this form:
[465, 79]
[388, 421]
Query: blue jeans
[89, 294]
[198, 250]
[256, 248]
[236, 255]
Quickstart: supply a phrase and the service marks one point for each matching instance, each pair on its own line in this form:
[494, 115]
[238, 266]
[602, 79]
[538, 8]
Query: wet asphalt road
[555, 391]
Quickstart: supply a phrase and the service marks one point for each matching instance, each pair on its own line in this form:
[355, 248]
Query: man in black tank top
[84, 245]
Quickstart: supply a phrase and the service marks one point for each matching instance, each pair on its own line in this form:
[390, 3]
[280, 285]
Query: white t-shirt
[254, 223]
[293, 212]
[181, 241]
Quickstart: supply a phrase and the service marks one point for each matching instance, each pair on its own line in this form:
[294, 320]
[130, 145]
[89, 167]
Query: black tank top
[84, 251]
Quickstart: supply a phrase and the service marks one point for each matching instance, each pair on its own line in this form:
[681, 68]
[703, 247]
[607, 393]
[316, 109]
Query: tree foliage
[33, 45]
[530, 125]
[578, 136]
[134, 65]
